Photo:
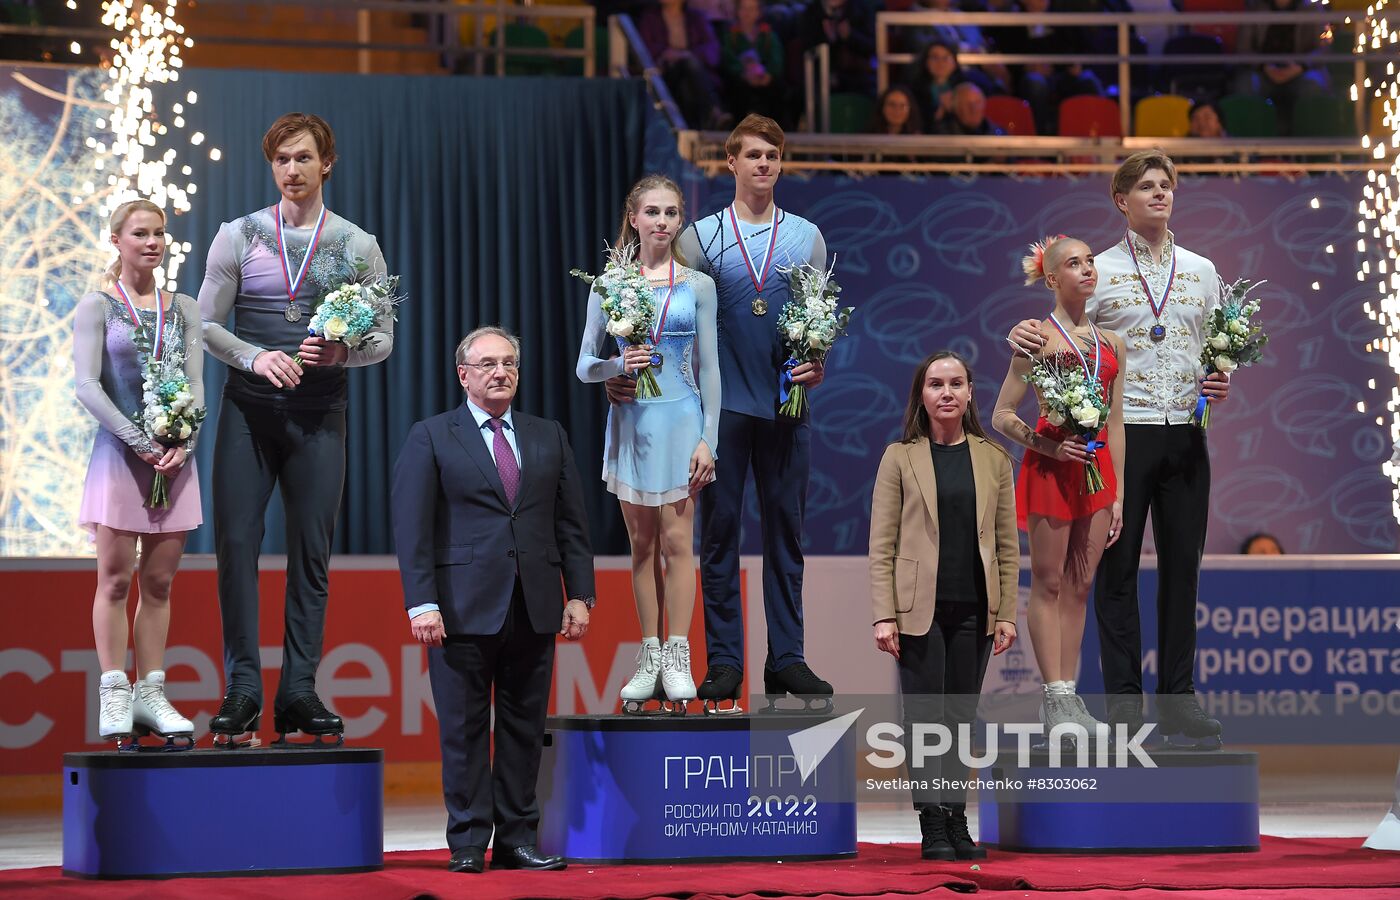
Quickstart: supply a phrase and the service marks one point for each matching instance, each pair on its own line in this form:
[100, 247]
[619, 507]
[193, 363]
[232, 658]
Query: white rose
[185, 430]
[1087, 416]
[620, 328]
[1237, 327]
[1075, 397]
[1220, 341]
[161, 425]
[814, 341]
[1224, 364]
[794, 331]
[336, 328]
[1055, 417]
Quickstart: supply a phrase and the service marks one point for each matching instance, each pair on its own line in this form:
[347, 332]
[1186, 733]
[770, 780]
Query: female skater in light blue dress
[661, 451]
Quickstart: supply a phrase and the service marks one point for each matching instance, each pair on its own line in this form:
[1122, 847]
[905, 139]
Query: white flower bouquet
[810, 323]
[1232, 340]
[168, 415]
[349, 312]
[1073, 401]
[628, 304]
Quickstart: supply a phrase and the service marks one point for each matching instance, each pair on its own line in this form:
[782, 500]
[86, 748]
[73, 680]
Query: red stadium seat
[1088, 116]
[1011, 114]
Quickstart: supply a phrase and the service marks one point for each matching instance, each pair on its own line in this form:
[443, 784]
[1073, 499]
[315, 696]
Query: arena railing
[443, 16]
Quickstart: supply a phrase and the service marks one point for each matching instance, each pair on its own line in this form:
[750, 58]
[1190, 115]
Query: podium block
[639, 789]
[222, 812]
[1191, 801]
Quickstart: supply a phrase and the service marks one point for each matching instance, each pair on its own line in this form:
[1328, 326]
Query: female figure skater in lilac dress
[130, 535]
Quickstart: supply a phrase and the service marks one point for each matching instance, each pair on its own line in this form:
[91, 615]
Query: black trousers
[780, 452]
[483, 793]
[940, 678]
[1167, 473]
[257, 448]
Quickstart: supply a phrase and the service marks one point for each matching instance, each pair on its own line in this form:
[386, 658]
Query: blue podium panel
[222, 812]
[1191, 801]
[643, 789]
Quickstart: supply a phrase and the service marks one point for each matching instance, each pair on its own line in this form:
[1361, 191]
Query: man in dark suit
[488, 518]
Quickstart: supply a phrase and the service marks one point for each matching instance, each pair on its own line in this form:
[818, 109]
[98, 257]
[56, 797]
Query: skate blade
[317, 742]
[1181, 742]
[713, 708]
[245, 741]
[677, 707]
[173, 743]
[640, 708]
[815, 706]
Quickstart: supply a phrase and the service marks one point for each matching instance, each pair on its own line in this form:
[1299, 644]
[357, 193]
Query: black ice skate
[1185, 725]
[235, 725]
[308, 715]
[721, 683]
[802, 683]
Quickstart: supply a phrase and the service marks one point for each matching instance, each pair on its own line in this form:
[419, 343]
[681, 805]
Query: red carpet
[1285, 869]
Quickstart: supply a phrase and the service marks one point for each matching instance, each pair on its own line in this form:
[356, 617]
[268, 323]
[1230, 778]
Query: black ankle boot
[959, 836]
[933, 826]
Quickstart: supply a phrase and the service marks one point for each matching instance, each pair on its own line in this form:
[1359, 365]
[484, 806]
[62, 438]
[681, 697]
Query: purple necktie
[505, 460]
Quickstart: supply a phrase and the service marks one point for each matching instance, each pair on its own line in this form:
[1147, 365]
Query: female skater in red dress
[1068, 527]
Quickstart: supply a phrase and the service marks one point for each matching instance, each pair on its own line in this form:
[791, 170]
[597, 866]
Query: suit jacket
[460, 544]
[904, 534]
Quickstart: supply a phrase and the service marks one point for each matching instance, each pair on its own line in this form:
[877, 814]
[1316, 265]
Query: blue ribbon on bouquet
[785, 379]
[1199, 417]
[1094, 445]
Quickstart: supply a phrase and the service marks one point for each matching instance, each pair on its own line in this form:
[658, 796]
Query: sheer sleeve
[688, 246]
[379, 343]
[223, 273]
[818, 257]
[89, 343]
[707, 343]
[591, 367]
[194, 355]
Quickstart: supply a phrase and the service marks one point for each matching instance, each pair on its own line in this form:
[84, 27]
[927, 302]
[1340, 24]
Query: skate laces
[648, 663]
[115, 706]
[675, 656]
[154, 699]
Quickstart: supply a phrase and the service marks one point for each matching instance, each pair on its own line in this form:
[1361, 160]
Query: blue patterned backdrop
[935, 262]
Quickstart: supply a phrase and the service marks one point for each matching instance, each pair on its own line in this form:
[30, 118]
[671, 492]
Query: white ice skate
[151, 713]
[114, 707]
[676, 681]
[645, 683]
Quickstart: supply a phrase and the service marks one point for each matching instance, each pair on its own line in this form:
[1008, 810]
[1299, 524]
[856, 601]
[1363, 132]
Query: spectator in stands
[1282, 83]
[721, 12]
[969, 113]
[897, 112]
[961, 37]
[1205, 121]
[1044, 85]
[752, 65]
[685, 48]
[848, 28]
[933, 79]
[1261, 544]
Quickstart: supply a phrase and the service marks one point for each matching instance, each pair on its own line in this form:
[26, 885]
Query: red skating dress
[1055, 488]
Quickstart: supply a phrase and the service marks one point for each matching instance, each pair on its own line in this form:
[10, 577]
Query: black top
[960, 575]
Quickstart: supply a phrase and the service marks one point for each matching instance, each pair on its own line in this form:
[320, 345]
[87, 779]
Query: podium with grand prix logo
[639, 789]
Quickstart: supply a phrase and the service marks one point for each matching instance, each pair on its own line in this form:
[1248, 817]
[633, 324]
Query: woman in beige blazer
[944, 568]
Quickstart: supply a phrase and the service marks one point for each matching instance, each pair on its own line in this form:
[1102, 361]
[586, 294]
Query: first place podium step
[222, 812]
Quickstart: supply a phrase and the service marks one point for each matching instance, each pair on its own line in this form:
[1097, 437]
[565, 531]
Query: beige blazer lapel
[921, 461]
[984, 482]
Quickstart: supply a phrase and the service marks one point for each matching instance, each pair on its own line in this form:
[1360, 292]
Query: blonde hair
[1033, 263]
[626, 234]
[1138, 165]
[115, 224]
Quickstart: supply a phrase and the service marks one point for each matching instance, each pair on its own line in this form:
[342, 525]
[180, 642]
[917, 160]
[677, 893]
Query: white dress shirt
[1162, 381]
